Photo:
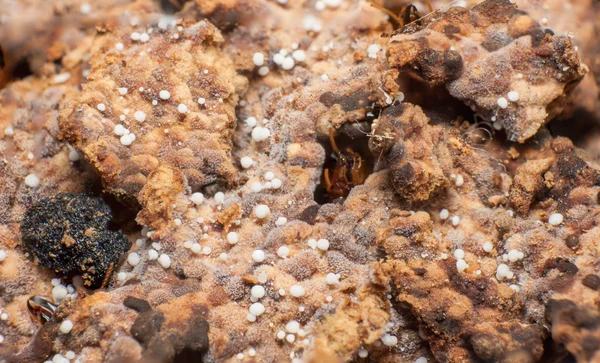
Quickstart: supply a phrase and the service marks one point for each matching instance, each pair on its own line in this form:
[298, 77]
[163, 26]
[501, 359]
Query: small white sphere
[502, 271]
[256, 187]
[201, 100]
[139, 116]
[292, 327]
[66, 326]
[257, 292]
[182, 108]
[555, 219]
[32, 181]
[133, 259]
[251, 121]
[164, 260]
[296, 290]
[122, 91]
[101, 107]
[152, 254]
[251, 317]
[261, 211]
[444, 214]
[70, 354]
[280, 335]
[278, 58]
[290, 338]
[389, 340]
[513, 96]
[299, 55]
[514, 255]
[258, 59]
[2, 255]
[280, 221]
[276, 183]
[196, 248]
[363, 353]
[332, 279]
[219, 197]
[197, 198]
[421, 360]
[283, 251]
[458, 253]
[257, 309]
[459, 180]
[144, 37]
[455, 220]
[312, 243]
[232, 238]
[59, 292]
[373, 49]
[258, 255]
[164, 94]
[246, 162]
[269, 175]
[502, 102]
[461, 265]
[323, 244]
[488, 246]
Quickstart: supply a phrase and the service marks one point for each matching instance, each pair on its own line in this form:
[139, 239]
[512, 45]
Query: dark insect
[349, 170]
[407, 15]
[41, 309]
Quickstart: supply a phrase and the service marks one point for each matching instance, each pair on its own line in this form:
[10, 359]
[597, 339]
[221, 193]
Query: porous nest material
[69, 234]
[161, 78]
[496, 59]
[453, 249]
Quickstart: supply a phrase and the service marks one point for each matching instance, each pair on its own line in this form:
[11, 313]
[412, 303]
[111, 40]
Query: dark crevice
[350, 138]
[21, 69]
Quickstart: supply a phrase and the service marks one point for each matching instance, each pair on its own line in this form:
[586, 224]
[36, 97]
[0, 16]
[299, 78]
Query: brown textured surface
[401, 295]
[482, 54]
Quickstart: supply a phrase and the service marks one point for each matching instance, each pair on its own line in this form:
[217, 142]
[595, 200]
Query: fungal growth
[69, 234]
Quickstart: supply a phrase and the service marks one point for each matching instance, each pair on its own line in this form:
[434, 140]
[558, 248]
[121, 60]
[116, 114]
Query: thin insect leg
[327, 181]
[332, 141]
[388, 12]
[429, 5]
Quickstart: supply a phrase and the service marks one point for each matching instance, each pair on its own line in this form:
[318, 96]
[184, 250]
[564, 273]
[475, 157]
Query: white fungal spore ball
[502, 102]
[261, 211]
[139, 116]
[260, 133]
[455, 220]
[257, 309]
[256, 187]
[196, 248]
[292, 327]
[458, 253]
[2, 255]
[459, 180]
[502, 271]
[152, 254]
[461, 265]
[281, 221]
[164, 260]
[276, 183]
[555, 219]
[323, 244]
[444, 214]
[164, 94]
[515, 255]
[122, 91]
[219, 197]
[101, 107]
[66, 326]
[389, 340]
[182, 108]
[133, 259]
[269, 175]
[421, 360]
[363, 353]
[296, 291]
[197, 198]
[232, 238]
[246, 162]
[488, 246]
[251, 317]
[283, 251]
[332, 279]
[299, 55]
[258, 256]
[59, 292]
[251, 121]
[257, 292]
[258, 59]
[32, 181]
[513, 96]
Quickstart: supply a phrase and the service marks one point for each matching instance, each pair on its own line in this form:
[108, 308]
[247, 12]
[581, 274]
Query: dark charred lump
[69, 234]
